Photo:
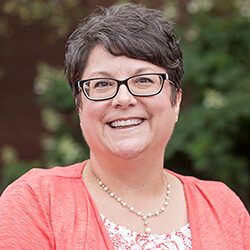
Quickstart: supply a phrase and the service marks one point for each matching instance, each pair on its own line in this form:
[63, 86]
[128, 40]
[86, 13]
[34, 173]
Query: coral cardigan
[52, 209]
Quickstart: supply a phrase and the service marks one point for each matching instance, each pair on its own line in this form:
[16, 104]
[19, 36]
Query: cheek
[165, 106]
[89, 111]
[89, 127]
[86, 116]
[91, 117]
[161, 107]
[164, 114]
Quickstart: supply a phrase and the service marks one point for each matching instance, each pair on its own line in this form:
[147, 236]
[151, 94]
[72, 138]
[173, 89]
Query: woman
[124, 65]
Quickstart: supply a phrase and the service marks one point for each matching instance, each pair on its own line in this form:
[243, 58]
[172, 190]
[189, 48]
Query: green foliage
[213, 131]
[52, 89]
[63, 143]
[13, 167]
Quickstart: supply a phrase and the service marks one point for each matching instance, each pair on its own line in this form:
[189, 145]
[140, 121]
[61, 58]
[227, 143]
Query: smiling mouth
[119, 124]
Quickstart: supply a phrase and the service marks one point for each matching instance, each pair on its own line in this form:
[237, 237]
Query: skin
[129, 160]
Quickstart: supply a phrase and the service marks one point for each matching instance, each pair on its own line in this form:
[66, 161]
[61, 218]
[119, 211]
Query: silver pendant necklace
[144, 216]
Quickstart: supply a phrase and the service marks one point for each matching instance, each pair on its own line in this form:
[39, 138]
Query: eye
[102, 84]
[143, 81]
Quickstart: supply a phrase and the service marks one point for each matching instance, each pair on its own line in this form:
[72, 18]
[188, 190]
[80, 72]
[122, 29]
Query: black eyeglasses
[99, 89]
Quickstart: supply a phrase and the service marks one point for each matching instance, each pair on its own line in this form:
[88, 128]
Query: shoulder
[212, 204]
[205, 186]
[215, 193]
[45, 180]
[38, 204]
[70, 171]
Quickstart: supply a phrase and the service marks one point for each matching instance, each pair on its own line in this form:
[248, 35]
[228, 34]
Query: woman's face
[126, 126]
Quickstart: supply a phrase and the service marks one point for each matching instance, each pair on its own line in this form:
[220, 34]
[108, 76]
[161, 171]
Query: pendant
[147, 230]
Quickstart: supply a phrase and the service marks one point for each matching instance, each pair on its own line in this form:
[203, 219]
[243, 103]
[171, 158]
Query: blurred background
[39, 125]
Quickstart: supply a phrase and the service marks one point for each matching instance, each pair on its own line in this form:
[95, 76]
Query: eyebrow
[109, 74]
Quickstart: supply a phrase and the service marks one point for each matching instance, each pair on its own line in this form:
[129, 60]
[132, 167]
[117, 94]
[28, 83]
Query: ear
[78, 108]
[79, 111]
[177, 104]
[78, 103]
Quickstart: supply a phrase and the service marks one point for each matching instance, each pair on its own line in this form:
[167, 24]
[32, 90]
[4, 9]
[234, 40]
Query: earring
[176, 118]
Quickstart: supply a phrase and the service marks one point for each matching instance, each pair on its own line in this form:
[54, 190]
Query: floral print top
[123, 238]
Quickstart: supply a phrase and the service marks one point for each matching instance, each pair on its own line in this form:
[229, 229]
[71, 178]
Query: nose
[124, 98]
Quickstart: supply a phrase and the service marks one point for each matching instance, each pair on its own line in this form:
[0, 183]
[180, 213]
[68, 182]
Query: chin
[127, 155]
[128, 152]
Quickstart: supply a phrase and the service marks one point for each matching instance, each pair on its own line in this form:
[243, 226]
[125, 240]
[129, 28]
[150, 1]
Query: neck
[138, 175]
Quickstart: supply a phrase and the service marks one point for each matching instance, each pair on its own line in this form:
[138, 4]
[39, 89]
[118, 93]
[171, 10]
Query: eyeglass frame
[163, 77]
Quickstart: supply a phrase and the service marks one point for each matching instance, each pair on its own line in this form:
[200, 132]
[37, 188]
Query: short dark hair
[131, 30]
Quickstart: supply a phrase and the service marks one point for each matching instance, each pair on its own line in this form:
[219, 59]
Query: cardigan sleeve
[236, 212]
[23, 222]
[218, 218]
[245, 225]
[236, 218]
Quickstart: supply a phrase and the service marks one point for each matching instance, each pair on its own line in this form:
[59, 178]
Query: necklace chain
[143, 216]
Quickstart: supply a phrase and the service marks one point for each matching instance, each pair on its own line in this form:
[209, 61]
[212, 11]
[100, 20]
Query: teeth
[124, 123]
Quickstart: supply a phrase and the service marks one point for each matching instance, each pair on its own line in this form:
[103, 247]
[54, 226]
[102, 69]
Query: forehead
[101, 63]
